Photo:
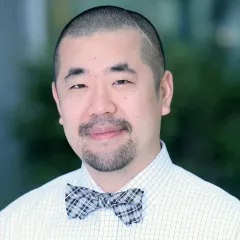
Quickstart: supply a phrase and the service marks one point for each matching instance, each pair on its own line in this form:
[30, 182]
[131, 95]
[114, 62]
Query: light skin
[102, 76]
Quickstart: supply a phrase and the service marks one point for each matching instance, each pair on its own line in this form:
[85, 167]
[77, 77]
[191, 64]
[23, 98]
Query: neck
[114, 181]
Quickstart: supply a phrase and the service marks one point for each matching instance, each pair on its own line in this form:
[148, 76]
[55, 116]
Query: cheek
[142, 112]
[145, 115]
[71, 121]
[71, 113]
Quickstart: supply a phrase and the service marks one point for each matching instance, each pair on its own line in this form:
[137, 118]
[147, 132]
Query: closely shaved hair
[110, 18]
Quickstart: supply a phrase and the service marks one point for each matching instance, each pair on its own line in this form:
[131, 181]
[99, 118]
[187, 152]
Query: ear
[56, 98]
[166, 92]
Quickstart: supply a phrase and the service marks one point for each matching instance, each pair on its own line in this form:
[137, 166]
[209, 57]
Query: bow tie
[126, 205]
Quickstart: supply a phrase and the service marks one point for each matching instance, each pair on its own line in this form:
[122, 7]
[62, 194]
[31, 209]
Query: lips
[104, 133]
[102, 130]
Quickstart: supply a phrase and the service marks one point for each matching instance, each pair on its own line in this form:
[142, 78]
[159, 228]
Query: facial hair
[113, 160]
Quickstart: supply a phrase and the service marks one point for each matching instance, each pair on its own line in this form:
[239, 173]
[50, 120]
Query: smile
[105, 133]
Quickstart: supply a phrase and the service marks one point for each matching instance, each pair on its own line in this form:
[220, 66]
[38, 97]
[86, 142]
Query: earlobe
[166, 92]
[56, 98]
[60, 120]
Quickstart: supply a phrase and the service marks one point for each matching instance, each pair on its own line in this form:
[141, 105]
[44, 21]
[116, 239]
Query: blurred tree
[203, 129]
[47, 153]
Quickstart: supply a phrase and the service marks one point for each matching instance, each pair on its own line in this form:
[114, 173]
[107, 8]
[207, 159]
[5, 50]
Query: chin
[103, 147]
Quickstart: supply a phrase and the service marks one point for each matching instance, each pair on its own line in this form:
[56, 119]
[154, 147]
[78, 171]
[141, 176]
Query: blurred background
[202, 47]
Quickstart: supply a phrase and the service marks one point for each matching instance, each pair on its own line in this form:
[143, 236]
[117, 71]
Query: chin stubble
[113, 160]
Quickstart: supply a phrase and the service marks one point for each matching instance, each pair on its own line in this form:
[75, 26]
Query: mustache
[85, 128]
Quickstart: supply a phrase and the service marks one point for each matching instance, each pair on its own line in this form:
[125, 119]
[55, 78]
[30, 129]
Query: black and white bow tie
[126, 205]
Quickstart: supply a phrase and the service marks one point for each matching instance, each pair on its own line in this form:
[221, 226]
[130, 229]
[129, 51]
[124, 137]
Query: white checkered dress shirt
[176, 205]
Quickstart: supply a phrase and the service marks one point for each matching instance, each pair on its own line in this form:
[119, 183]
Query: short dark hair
[111, 18]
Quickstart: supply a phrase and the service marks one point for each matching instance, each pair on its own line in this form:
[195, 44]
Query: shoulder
[41, 204]
[207, 205]
[196, 184]
[189, 202]
[48, 190]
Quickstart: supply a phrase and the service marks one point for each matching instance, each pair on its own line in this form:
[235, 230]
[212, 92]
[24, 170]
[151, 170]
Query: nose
[101, 103]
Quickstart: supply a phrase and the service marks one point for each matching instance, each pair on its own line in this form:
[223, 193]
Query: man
[111, 90]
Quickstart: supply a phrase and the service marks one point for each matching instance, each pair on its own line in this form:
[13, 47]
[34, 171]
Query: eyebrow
[121, 67]
[75, 72]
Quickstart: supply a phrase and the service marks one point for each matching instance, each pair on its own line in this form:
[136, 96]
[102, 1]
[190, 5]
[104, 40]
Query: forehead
[104, 46]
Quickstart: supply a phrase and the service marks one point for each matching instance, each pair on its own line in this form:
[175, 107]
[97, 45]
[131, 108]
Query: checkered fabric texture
[126, 205]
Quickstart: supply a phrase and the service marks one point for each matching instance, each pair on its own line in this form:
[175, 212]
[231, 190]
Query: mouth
[105, 133]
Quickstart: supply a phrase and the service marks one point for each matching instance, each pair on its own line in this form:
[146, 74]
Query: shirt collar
[156, 174]
[154, 177]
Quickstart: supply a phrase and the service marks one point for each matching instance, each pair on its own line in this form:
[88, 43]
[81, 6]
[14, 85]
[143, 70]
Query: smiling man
[111, 89]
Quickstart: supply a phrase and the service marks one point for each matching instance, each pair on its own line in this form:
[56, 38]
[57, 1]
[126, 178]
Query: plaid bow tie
[126, 205]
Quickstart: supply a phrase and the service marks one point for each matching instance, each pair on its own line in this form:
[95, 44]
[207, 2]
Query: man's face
[106, 98]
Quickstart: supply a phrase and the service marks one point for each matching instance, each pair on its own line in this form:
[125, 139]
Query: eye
[78, 86]
[121, 82]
